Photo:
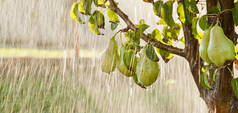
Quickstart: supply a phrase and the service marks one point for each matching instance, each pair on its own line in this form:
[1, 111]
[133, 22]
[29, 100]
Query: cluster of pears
[143, 70]
[216, 47]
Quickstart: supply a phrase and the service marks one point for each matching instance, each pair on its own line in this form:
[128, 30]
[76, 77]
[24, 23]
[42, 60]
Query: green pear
[110, 57]
[221, 48]
[135, 79]
[204, 45]
[127, 63]
[130, 59]
[147, 71]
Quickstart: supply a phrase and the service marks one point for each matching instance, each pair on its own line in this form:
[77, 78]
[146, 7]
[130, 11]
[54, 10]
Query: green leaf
[112, 15]
[98, 15]
[192, 6]
[234, 83]
[113, 18]
[74, 13]
[182, 40]
[96, 21]
[94, 28]
[151, 54]
[157, 7]
[197, 34]
[113, 25]
[85, 6]
[140, 30]
[129, 58]
[172, 33]
[212, 74]
[219, 6]
[95, 2]
[129, 35]
[156, 35]
[235, 14]
[166, 13]
[194, 26]
[213, 10]
[180, 11]
[166, 56]
[203, 23]
[204, 80]
[132, 42]
[142, 21]
[99, 3]
[161, 22]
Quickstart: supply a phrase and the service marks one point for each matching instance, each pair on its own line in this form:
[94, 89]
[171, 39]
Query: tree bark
[221, 98]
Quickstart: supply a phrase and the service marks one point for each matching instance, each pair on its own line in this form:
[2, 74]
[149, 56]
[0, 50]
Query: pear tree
[210, 54]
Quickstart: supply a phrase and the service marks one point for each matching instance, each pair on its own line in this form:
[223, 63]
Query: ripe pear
[204, 45]
[127, 62]
[110, 57]
[221, 48]
[147, 70]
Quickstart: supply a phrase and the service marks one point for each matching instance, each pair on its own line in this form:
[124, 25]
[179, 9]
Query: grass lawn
[26, 52]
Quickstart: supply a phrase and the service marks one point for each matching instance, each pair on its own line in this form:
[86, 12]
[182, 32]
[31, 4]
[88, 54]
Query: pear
[204, 45]
[135, 79]
[127, 63]
[221, 48]
[130, 59]
[147, 71]
[110, 57]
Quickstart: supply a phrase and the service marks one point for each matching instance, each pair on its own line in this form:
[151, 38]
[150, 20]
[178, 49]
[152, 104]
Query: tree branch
[145, 37]
[191, 48]
[235, 37]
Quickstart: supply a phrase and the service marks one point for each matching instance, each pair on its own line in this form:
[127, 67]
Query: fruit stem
[231, 71]
[225, 10]
[121, 39]
[217, 16]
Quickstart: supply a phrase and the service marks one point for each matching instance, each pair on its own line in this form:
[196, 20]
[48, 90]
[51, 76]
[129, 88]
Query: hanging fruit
[220, 48]
[128, 61]
[147, 71]
[110, 57]
[204, 45]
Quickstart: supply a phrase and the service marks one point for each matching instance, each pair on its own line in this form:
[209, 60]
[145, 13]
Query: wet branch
[235, 35]
[145, 37]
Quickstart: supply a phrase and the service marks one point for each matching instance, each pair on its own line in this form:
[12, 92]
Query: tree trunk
[220, 99]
